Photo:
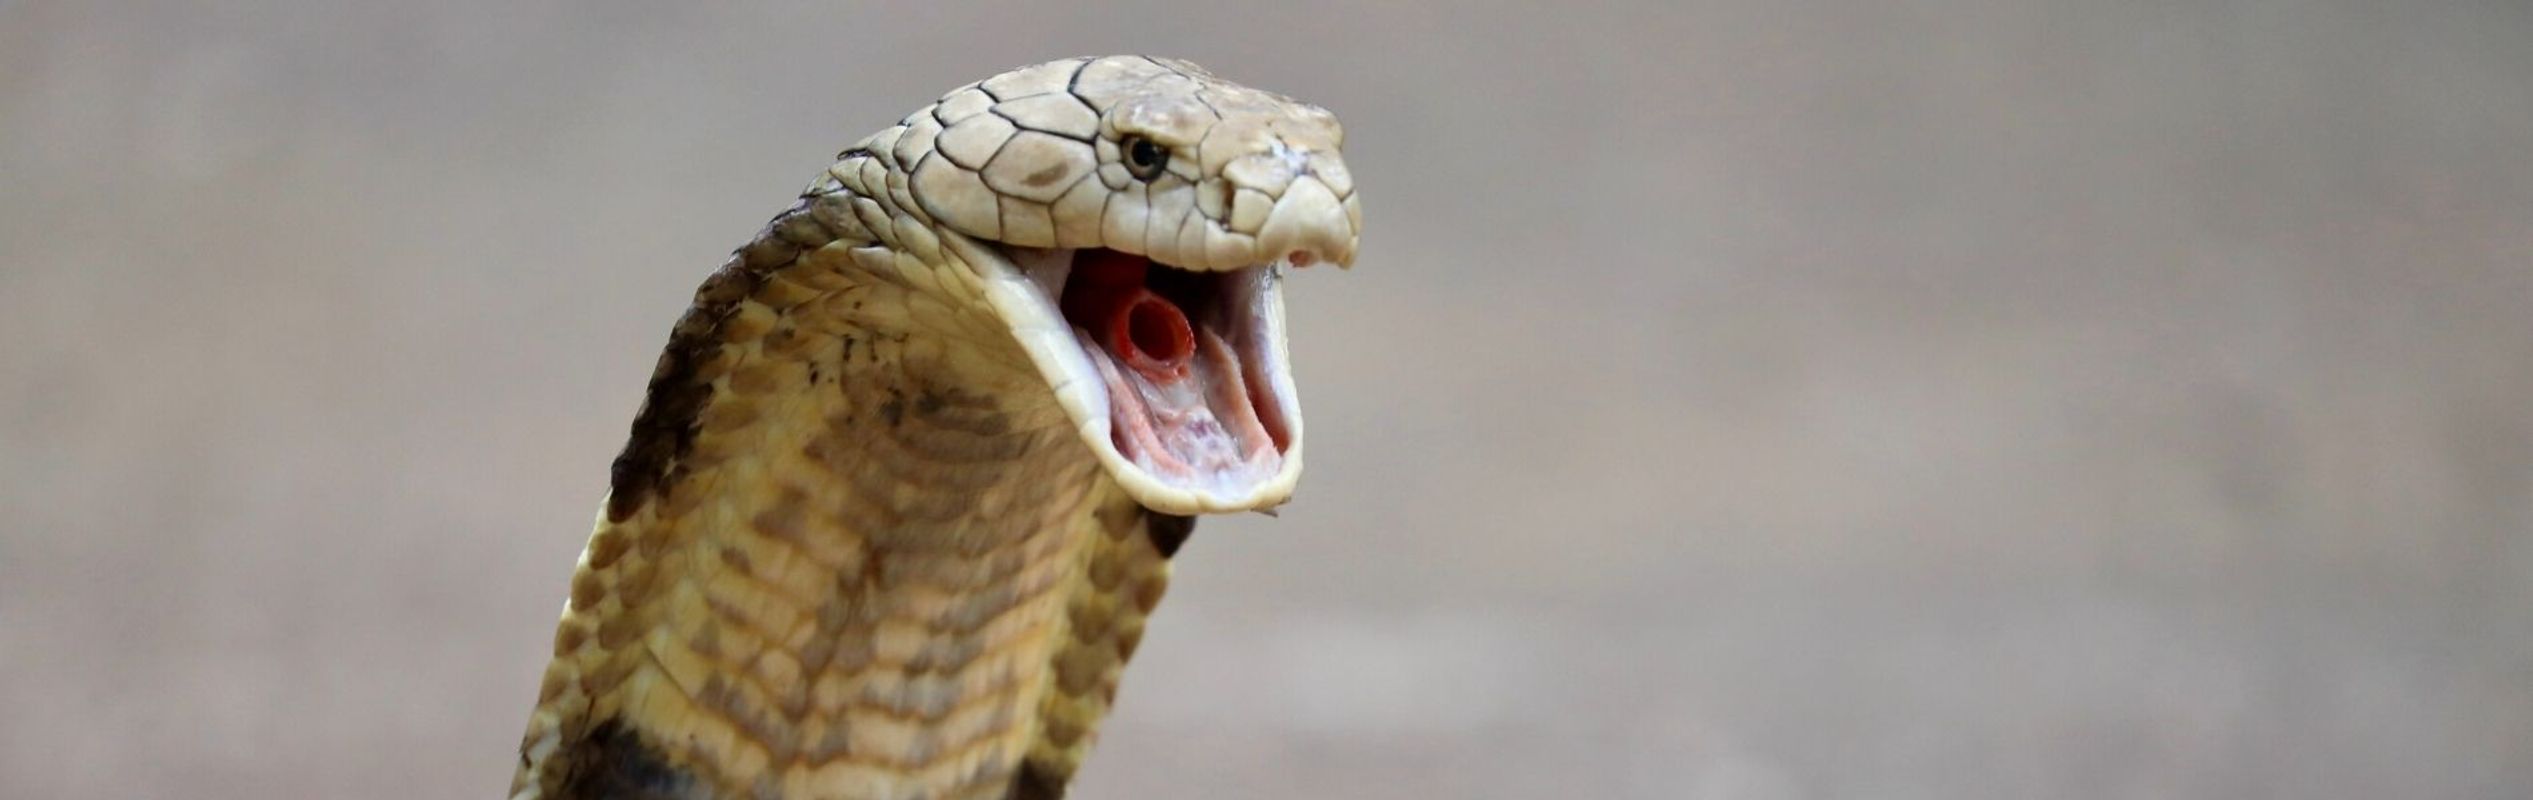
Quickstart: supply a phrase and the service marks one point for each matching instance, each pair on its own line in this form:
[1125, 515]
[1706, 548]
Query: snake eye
[1144, 160]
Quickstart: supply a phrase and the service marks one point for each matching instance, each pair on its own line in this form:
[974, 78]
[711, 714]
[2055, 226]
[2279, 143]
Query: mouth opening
[1189, 386]
[1177, 379]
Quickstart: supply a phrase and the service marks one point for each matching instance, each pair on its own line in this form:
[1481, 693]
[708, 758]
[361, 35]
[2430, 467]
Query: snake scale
[909, 474]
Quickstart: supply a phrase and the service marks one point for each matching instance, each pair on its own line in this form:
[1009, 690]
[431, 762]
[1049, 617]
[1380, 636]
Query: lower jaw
[1220, 433]
[1197, 425]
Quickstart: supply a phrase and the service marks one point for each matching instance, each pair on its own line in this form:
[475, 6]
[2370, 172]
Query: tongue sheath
[1198, 426]
[1133, 323]
[1149, 333]
[1181, 405]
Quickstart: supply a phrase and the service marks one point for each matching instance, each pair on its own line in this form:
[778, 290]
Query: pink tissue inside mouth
[1181, 400]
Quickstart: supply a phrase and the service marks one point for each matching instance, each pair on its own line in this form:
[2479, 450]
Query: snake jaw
[1218, 187]
[842, 475]
[1226, 438]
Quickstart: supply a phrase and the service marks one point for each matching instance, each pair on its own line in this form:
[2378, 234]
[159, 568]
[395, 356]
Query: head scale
[1155, 157]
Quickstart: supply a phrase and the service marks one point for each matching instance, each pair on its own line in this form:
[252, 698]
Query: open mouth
[1178, 379]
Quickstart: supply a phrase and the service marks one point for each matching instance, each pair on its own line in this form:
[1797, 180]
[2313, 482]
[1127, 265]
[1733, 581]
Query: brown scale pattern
[844, 576]
[853, 548]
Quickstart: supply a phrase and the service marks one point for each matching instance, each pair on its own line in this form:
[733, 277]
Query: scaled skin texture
[873, 536]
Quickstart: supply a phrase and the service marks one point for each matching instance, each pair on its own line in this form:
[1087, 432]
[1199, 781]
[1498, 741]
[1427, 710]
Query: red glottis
[1106, 295]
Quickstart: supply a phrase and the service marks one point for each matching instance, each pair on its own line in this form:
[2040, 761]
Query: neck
[879, 563]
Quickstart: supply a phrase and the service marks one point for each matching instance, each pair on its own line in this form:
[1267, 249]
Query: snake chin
[1178, 380]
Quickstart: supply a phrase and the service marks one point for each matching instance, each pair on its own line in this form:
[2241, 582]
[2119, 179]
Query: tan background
[1734, 400]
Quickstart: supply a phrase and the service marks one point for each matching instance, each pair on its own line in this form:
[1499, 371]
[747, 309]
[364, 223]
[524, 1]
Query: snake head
[1197, 193]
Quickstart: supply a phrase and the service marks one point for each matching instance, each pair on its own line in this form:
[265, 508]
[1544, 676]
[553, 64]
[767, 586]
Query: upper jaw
[1025, 288]
[1297, 219]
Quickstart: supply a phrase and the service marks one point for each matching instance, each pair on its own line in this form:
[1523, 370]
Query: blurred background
[1733, 400]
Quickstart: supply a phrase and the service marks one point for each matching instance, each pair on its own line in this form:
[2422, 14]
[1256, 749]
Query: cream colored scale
[873, 536]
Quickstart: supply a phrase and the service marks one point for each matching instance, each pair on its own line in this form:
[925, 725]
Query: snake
[906, 481]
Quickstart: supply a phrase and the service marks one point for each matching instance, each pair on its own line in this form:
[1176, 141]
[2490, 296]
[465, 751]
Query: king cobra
[908, 477]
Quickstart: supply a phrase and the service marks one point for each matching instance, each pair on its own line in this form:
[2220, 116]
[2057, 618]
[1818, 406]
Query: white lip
[1024, 295]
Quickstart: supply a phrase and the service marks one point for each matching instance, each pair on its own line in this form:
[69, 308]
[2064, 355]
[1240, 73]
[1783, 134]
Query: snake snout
[1309, 224]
